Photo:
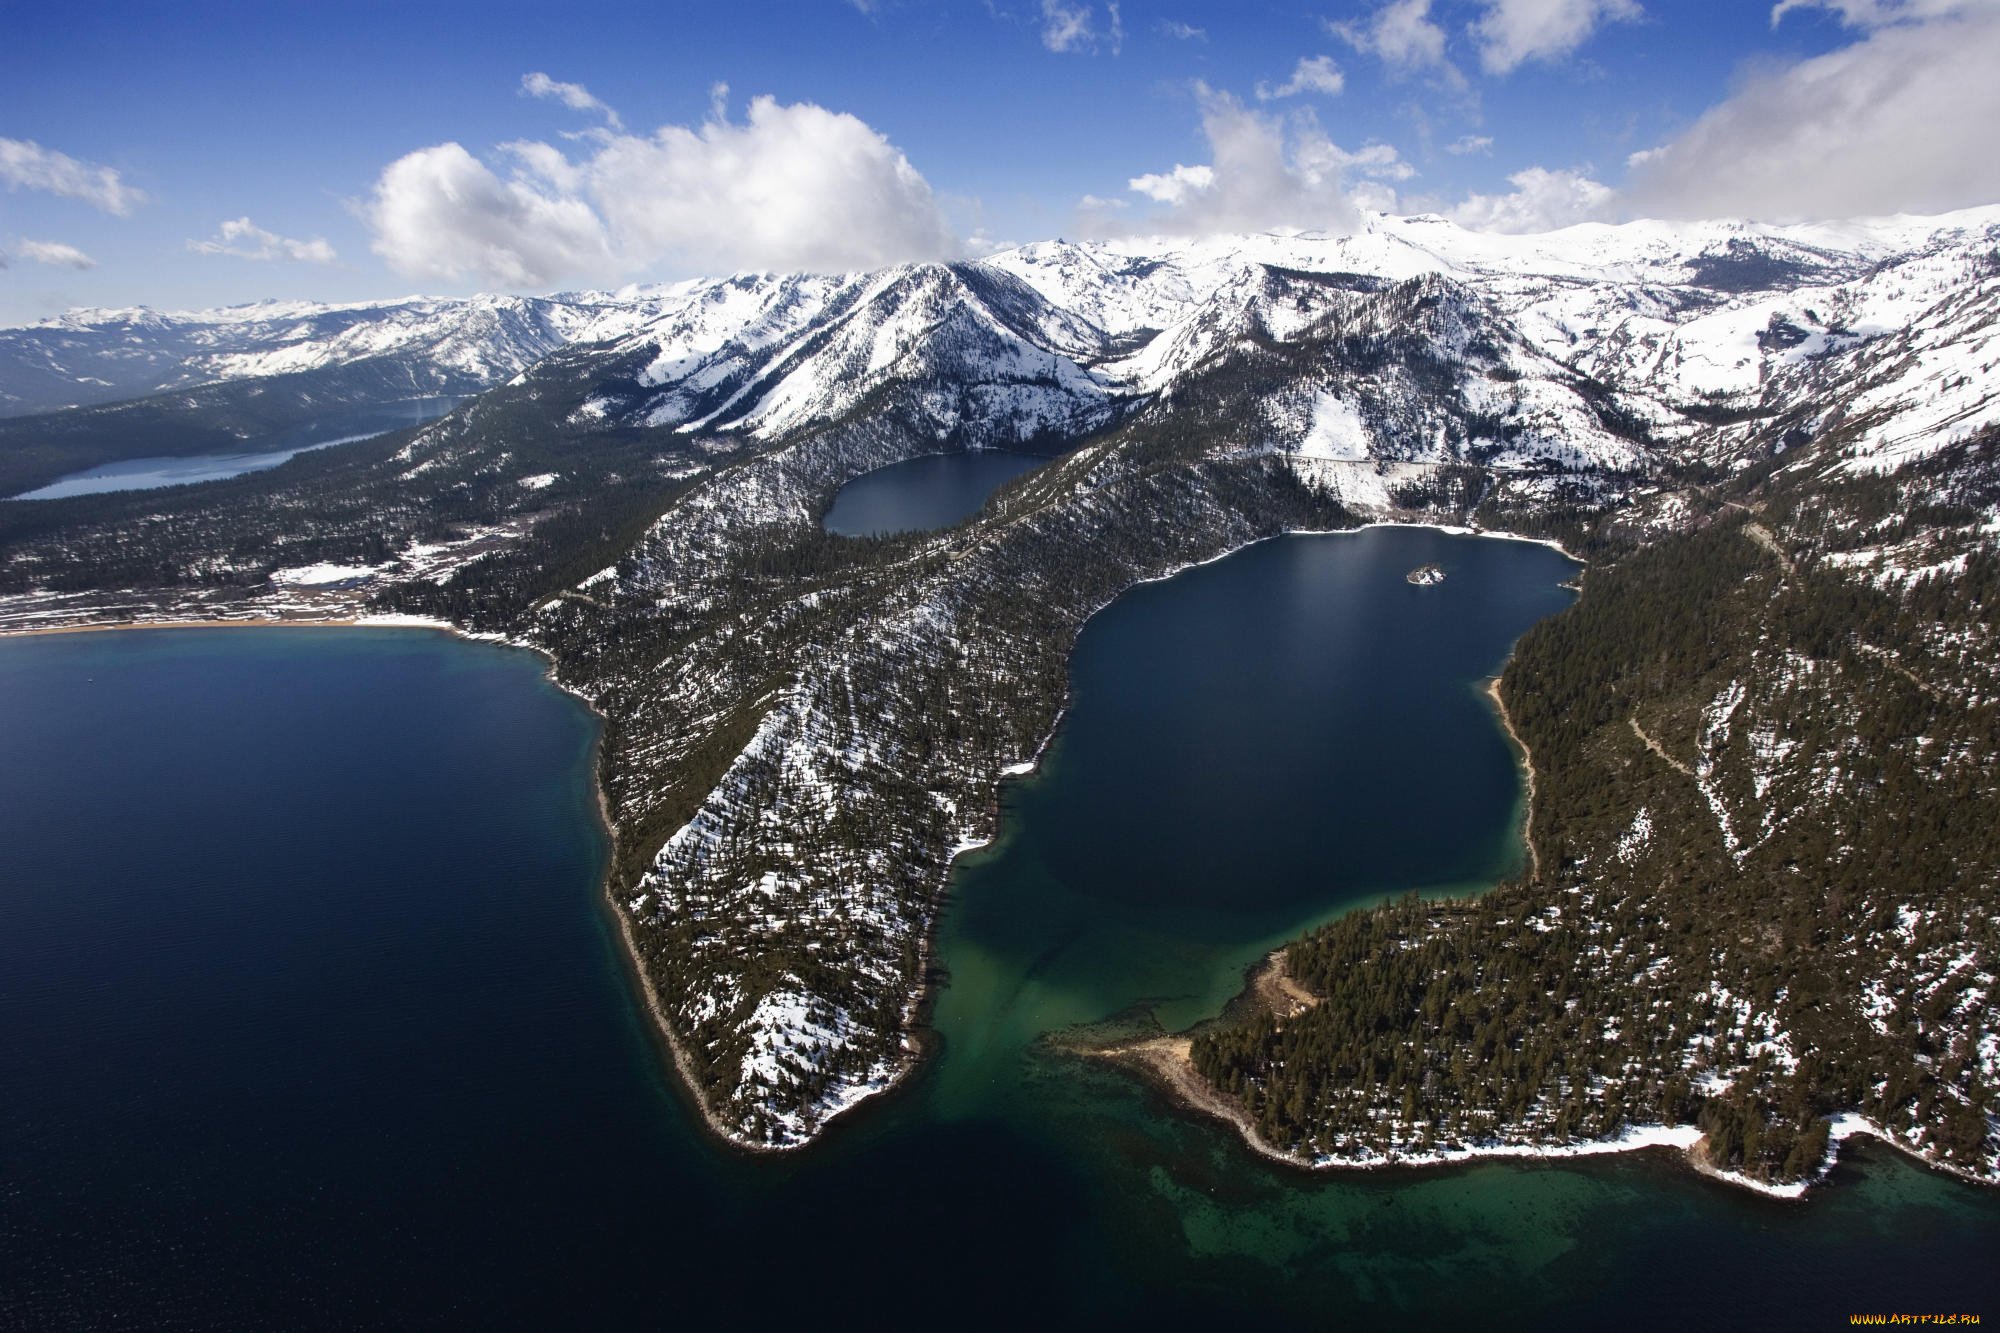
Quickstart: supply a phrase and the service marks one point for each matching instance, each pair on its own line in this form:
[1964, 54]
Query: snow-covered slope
[90, 356]
[963, 352]
[1580, 348]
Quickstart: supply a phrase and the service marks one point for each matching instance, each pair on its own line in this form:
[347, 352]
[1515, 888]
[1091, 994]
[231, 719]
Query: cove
[312, 1016]
[919, 494]
[137, 474]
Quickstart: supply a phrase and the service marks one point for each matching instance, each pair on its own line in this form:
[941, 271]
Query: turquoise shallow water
[310, 1016]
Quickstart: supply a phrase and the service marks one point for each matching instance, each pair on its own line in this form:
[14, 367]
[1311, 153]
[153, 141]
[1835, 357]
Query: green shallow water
[311, 1016]
[1255, 747]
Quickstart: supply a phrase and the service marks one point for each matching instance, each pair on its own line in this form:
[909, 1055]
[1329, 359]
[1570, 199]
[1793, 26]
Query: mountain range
[800, 729]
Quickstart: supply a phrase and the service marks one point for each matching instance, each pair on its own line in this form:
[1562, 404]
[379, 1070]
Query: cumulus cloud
[794, 187]
[245, 240]
[1900, 121]
[572, 95]
[1513, 32]
[1173, 187]
[26, 165]
[1315, 75]
[442, 213]
[53, 253]
[1401, 35]
[1266, 172]
[1542, 200]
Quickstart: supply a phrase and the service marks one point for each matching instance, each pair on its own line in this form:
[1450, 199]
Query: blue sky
[131, 136]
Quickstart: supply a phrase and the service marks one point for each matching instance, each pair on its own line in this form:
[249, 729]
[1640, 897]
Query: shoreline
[1492, 692]
[245, 622]
[921, 1042]
[628, 951]
[1165, 1063]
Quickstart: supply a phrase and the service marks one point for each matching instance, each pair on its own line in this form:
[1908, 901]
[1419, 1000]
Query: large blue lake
[310, 1014]
[142, 474]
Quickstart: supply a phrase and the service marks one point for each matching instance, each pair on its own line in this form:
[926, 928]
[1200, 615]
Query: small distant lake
[923, 493]
[311, 1015]
[139, 474]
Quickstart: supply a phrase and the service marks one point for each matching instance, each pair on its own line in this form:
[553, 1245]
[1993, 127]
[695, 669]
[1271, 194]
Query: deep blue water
[310, 1015]
[918, 494]
[138, 474]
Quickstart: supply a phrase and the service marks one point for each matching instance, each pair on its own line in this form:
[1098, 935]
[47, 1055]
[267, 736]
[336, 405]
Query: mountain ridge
[643, 507]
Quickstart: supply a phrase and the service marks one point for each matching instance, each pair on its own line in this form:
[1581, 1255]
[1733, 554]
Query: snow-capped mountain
[444, 347]
[1585, 348]
[1579, 348]
[979, 354]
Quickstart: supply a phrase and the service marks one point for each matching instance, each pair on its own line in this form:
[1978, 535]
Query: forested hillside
[1767, 755]
[1763, 736]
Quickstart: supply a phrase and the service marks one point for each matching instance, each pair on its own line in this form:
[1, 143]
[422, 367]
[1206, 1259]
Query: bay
[311, 1015]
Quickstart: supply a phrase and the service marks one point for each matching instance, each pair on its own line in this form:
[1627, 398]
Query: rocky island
[1425, 576]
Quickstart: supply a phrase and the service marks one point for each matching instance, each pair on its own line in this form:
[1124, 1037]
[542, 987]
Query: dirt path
[1888, 659]
[1660, 750]
[1760, 534]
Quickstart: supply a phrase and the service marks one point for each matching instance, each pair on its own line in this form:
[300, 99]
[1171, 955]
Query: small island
[1425, 576]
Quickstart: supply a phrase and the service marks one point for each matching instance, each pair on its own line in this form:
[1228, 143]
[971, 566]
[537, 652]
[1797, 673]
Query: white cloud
[1880, 13]
[1185, 32]
[1066, 29]
[793, 188]
[1900, 121]
[1315, 75]
[572, 95]
[1471, 143]
[245, 240]
[1174, 187]
[26, 165]
[1512, 32]
[441, 213]
[981, 244]
[1542, 200]
[1376, 160]
[53, 253]
[1266, 172]
[1402, 36]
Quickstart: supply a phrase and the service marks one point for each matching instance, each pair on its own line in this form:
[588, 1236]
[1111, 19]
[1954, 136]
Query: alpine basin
[919, 494]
